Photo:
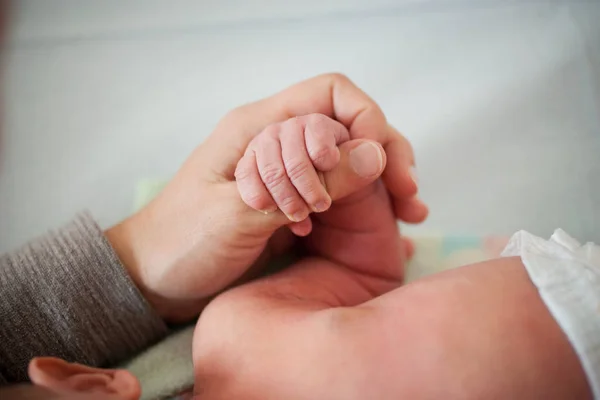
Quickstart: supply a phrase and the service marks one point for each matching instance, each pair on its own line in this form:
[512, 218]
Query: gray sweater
[67, 295]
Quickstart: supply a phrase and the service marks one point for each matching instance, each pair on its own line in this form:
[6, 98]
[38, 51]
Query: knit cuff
[67, 295]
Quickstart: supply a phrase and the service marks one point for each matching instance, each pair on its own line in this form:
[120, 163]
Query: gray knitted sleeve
[67, 295]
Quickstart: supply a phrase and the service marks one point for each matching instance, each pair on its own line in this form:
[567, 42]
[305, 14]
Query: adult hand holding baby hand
[198, 236]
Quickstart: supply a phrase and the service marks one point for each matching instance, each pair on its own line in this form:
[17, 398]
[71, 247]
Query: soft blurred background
[501, 99]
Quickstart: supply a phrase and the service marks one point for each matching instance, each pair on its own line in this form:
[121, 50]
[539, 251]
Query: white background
[501, 99]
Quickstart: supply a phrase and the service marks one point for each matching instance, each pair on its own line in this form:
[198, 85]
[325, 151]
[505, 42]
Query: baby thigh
[476, 332]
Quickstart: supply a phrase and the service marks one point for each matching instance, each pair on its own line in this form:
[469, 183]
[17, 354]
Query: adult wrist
[121, 237]
[128, 241]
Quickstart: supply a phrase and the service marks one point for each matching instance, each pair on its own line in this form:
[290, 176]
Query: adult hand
[318, 331]
[198, 237]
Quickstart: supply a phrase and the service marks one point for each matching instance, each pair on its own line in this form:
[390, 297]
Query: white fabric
[166, 368]
[567, 276]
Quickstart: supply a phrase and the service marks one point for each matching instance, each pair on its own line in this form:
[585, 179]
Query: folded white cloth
[567, 276]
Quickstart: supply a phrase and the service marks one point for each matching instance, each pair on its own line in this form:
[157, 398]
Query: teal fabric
[452, 244]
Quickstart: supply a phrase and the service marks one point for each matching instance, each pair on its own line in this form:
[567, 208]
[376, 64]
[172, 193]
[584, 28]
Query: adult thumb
[361, 163]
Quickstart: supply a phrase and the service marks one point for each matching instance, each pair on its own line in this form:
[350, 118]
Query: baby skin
[339, 324]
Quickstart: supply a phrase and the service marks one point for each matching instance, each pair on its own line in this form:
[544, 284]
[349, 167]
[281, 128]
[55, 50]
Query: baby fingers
[282, 166]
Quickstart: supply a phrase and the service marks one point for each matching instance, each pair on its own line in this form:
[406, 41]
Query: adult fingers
[411, 210]
[399, 177]
[333, 95]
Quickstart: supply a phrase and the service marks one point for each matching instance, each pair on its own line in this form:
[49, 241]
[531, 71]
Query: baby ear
[63, 377]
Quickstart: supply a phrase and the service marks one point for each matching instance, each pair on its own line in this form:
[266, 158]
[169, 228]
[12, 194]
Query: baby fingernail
[298, 216]
[366, 160]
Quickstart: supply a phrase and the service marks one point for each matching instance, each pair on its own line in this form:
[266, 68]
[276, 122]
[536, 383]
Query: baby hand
[283, 165]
